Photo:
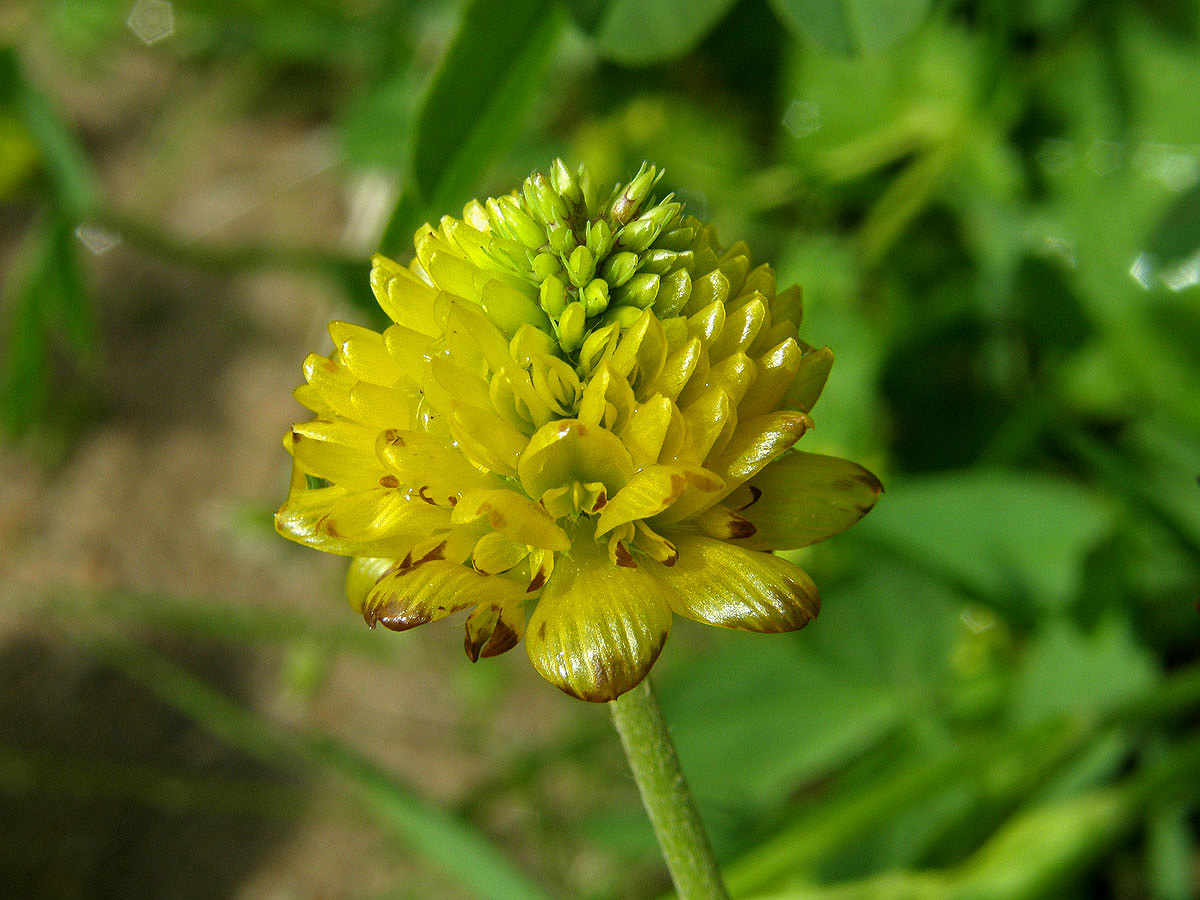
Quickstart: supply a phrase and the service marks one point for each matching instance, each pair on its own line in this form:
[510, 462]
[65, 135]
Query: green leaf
[1067, 671]
[638, 32]
[851, 26]
[1017, 540]
[791, 708]
[475, 104]
[62, 156]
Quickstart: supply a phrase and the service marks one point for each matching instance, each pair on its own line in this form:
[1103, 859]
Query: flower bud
[622, 316]
[678, 238]
[619, 268]
[581, 267]
[562, 240]
[565, 183]
[546, 264]
[571, 326]
[639, 291]
[599, 238]
[596, 345]
[542, 200]
[553, 296]
[505, 211]
[640, 233]
[595, 297]
[629, 201]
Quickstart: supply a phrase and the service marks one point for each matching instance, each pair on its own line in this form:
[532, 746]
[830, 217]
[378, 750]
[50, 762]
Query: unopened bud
[542, 200]
[595, 346]
[599, 238]
[581, 267]
[619, 268]
[678, 238]
[571, 326]
[562, 240]
[639, 291]
[595, 296]
[544, 265]
[630, 200]
[519, 222]
[640, 233]
[565, 183]
[553, 296]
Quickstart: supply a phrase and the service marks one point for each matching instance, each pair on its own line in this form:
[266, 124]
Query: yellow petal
[419, 460]
[720, 584]
[567, 451]
[380, 407]
[755, 443]
[372, 516]
[495, 553]
[406, 299]
[741, 328]
[802, 498]
[679, 368]
[653, 490]
[513, 515]
[407, 597]
[646, 430]
[364, 353]
[810, 380]
[308, 517]
[510, 309]
[597, 628]
[330, 380]
[486, 439]
[340, 451]
[776, 371]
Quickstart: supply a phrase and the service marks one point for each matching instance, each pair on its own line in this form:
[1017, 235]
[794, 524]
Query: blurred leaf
[475, 104]
[1067, 671]
[1176, 238]
[851, 26]
[1170, 847]
[1016, 539]
[62, 157]
[377, 124]
[790, 708]
[586, 13]
[639, 32]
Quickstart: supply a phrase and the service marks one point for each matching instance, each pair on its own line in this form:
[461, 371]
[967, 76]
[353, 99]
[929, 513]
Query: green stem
[665, 793]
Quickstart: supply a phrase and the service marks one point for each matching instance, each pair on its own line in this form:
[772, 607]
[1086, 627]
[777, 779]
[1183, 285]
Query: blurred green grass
[994, 210]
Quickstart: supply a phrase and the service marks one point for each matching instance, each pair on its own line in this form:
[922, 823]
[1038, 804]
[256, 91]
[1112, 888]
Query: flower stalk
[677, 825]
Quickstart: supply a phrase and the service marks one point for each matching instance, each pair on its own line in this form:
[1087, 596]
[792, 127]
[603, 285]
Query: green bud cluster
[594, 263]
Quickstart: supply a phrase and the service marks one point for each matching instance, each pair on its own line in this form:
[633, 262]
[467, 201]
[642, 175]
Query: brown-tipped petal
[720, 584]
[803, 498]
[653, 490]
[515, 516]
[361, 576]
[493, 628]
[724, 524]
[407, 597]
[598, 628]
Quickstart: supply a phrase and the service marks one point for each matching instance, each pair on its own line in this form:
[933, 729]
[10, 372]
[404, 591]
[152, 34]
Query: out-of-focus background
[994, 210]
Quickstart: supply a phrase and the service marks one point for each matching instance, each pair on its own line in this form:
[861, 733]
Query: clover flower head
[580, 424]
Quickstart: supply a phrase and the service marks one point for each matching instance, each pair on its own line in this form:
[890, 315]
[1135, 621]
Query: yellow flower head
[580, 424]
